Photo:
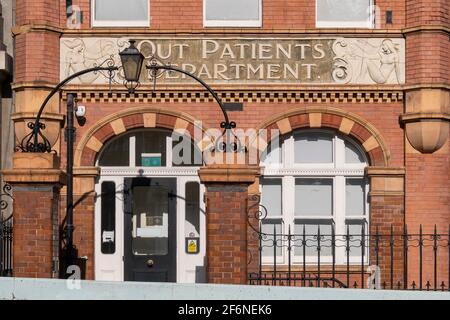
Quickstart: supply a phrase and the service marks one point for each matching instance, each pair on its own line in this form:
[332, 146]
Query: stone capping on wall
[224, 174]
[345, 122]
[35, 168]
[386, 181]
[35, 176]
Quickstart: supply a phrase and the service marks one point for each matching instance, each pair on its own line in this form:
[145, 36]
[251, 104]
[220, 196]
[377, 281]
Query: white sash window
[318, 183]
[344, 13]
[232, 13]
[120, 13]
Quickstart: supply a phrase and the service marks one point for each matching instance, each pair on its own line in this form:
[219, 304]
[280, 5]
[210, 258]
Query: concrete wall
[44, 289]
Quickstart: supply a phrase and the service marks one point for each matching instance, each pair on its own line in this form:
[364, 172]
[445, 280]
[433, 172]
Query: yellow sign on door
[192, 245]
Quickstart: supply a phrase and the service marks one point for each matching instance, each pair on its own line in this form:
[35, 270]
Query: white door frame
[110, 267]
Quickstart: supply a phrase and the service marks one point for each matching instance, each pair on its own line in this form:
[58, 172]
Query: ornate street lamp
[132, 60]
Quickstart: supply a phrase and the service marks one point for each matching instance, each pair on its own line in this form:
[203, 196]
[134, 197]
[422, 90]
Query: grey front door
[150, 229]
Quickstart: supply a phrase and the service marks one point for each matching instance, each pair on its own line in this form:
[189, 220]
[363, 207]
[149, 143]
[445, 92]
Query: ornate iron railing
[387, 257]
[6, 232]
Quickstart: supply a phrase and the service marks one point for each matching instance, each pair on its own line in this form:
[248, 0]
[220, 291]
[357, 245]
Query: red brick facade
[36, 238]
[226, 234]
[421, 195]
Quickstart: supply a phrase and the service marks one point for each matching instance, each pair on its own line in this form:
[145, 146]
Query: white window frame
[342, 24]
[233, 23]
[288, 171]
[119, 23]
[282, 257]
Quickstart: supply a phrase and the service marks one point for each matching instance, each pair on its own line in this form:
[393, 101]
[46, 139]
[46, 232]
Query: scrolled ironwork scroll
[36, 141]
[5, 199]
[228, 142]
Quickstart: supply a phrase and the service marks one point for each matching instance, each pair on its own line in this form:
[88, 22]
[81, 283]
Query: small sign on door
[192, 245]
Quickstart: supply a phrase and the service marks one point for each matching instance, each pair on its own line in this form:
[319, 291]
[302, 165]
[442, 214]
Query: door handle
[150, 263]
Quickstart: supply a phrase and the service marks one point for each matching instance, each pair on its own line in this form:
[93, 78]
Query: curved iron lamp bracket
[156, 70]
[31, 142]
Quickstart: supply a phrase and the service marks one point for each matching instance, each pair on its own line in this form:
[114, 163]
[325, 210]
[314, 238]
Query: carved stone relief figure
[79, 55]
[362, 61]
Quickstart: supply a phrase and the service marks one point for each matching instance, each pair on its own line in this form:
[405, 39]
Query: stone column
[35, 217]
[387, 210]
[226, 221]
[427, 108]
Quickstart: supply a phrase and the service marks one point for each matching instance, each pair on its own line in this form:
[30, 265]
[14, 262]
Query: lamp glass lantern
[132, 60]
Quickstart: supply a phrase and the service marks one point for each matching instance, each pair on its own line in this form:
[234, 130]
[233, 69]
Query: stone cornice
[385, 171]
[227, 31]
[417, 116]
[229, 174]
[354, 32]
[17, 30]
[209, 32]
[32, 85]
[410, 87]
[32, 115]
[33, 176]
[426, 28]
[148, 88]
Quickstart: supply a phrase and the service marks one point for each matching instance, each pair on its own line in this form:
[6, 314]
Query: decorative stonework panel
[249, 60]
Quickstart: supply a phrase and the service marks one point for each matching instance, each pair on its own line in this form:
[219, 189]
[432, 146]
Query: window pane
[192, 225]
[314, 197]
[313, 147]
[108, 216]
[352, 154]
[311, 231]
[232, 9]
[150, 220]
[269, 227]
[150, 147]
[120, 10]
[356, 228]
[116, 153]
[343, 10]
[355, 196]
[271, 196]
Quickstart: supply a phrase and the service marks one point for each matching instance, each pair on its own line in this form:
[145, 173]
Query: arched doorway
[149, 213]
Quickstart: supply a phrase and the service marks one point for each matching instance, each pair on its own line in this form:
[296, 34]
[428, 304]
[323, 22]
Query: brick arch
[346, 123]
[113, 125]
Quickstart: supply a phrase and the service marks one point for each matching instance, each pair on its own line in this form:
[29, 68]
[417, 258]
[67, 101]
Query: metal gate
[6, 232]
